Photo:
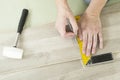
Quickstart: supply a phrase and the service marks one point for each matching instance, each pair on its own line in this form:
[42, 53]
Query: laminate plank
[42, 73]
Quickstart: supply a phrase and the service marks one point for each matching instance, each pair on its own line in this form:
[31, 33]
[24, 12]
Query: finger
[60, 26]
[94, 43]
[74, 25]
[89, 44]
[61, 30]
[69, 35]
[66, 34]
[100, 40]
[84, 42]
[80, 33]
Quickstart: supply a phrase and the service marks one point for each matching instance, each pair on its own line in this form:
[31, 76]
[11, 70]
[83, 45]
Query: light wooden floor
[47, 56]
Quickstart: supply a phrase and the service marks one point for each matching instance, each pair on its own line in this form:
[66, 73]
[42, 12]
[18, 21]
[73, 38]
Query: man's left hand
[91, 33]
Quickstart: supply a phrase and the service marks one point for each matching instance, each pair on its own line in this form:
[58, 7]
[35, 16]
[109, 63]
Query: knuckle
[90, 42]
[84, 40]
[88, 50]
[95, 32]
[83, 49]
[93, 51]
[94, 45]
[93, 48]
[84, 46]
[101, 40]
[100, 36]
[89, 47]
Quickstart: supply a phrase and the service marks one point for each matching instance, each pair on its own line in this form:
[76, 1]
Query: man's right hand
[65, 13]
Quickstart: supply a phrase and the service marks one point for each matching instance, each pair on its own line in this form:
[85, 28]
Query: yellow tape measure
[85, 58]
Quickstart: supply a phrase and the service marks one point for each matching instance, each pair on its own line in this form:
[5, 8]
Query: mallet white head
[12, 52]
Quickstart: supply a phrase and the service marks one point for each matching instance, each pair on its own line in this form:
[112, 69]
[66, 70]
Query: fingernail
[87, 55]
[93, 52]
[80, 39]
[83, 52]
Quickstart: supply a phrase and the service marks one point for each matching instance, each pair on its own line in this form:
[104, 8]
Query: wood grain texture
[47, 56]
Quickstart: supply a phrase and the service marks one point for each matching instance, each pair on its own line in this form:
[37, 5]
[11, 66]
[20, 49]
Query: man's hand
[91, 33]
[65, 13]
[91, 27]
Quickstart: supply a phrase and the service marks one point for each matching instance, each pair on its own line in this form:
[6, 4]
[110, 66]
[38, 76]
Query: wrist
[92, 13]
[63, 7]
[61, 3]
[95, 7]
